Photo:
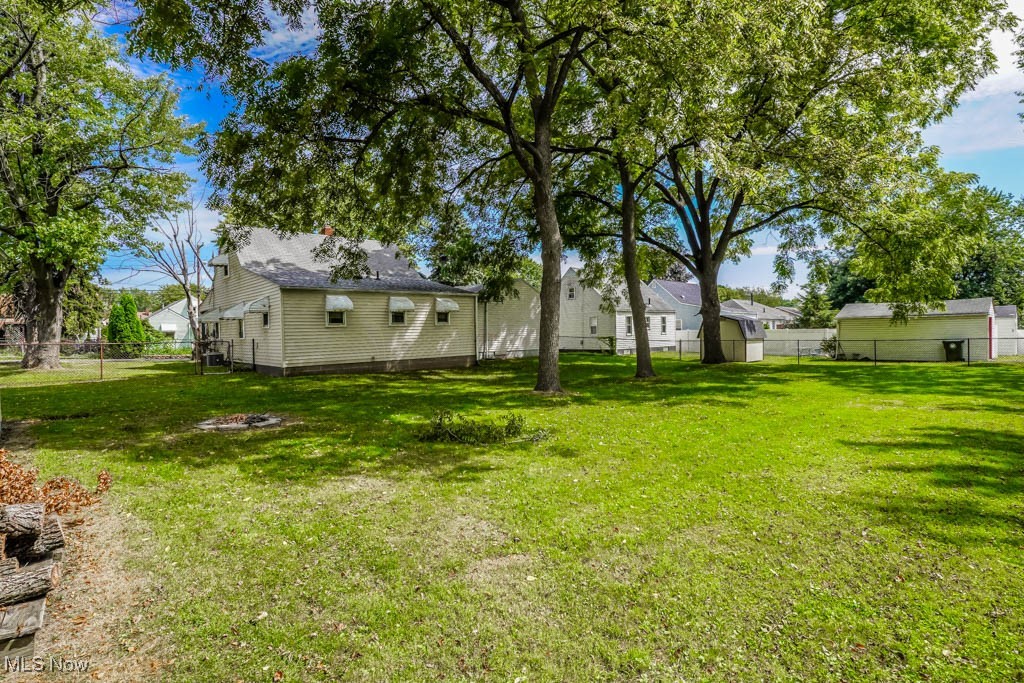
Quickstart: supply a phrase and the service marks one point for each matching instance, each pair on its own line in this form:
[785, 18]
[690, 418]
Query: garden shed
[742, 338]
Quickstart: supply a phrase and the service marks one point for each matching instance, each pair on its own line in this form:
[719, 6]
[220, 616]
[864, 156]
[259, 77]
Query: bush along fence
[101, 360]
[31, 547]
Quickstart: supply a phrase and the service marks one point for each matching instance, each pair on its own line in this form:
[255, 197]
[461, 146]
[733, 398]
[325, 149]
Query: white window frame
[266, 320]
[241, 328]
[571, 295]
[327, 319]
[679, 324]
[391, 319]
[629, 326]
[593, 325]
[447, 317]
[647, 322]
[664, 324]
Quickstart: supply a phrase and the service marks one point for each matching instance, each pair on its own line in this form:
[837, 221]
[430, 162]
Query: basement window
[442, 317]
[397, 317]
[336, 318]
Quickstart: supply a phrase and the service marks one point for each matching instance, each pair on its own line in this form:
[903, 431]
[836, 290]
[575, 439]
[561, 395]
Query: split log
[28, 548]
[23, 619]
[29, 582]
[8, 566]
[24, 519]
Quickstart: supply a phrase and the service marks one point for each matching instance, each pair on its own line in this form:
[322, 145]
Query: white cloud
[764, 250]
[281, 42]
[980, 125]
[1007, 78]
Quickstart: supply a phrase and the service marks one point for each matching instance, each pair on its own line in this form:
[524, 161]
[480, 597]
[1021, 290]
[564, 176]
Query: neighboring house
[868, 331]
[509, 327]
[1011, 342]
[172, 321]
[742, 337]
[770, 317]
[284, 315]
[684, 298]
[12, 324]
[588, 320]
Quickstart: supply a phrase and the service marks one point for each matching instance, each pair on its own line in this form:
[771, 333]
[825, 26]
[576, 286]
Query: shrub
[451, 427]
[830, 346]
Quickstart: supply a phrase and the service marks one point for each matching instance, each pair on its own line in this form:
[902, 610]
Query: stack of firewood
[31, 546]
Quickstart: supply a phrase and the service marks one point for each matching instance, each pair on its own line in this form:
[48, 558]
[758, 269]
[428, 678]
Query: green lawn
[746, 522]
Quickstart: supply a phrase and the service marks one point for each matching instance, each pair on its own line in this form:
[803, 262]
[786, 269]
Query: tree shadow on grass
[966, 483]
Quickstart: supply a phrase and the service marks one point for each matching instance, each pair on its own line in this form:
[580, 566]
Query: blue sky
[984, 136]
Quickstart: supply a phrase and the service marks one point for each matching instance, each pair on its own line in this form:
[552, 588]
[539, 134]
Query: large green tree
[804, 120]
[86, 150]
[402, 109]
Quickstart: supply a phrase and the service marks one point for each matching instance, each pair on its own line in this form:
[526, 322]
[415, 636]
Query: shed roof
[1006, 311]
[683, 292]
[289, 263]
[982, 306]
[750, 327]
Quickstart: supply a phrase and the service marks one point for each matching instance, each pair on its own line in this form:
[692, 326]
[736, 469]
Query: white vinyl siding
[241, 286]
[918, 340]
[510, 328]
[575, 317]
[368, 336]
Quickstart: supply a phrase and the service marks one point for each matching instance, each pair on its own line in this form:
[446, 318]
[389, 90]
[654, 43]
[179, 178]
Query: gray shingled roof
[762, 311]
[684, 292]
[980, 306]
[1006, 311]
[750, 327]
[289, 263]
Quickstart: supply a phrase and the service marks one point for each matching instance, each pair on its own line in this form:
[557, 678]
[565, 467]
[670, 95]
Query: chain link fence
[92, 361]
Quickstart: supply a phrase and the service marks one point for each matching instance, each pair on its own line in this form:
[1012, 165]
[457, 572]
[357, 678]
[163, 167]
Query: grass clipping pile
[61, 495]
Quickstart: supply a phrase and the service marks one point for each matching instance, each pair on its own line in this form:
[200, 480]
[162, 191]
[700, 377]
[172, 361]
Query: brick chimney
[327, 230]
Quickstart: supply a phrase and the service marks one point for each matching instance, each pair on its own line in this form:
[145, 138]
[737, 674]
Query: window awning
[168, 327]
[234, 313]
[219, 260]
[210, 316]
[259, 306]
[338, 302]
[445, 305]
[397, 304]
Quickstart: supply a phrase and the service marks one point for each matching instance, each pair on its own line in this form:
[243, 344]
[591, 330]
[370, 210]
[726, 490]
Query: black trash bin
[954, 349]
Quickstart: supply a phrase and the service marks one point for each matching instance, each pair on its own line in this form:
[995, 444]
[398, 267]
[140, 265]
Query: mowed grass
[745, 522]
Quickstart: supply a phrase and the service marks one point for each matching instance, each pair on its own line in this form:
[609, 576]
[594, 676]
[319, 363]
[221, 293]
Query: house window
[679, 324]
[664, 325]
[225, 270]
[241, 329]
[441, 317]
[335, 318]
[397, 317]
[572, 293]
[266, 320]
[629, 326]
[647, 323]
[593, 326]
[214, 331]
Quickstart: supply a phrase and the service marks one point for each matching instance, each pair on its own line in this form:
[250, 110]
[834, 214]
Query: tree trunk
[711, 317]
[45, 317]
[637, 305]
[548, 379]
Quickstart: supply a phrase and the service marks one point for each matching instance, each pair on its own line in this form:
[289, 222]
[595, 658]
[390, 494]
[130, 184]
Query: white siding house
[284, 315]
[868, 331]
[172, 321]
[509, 327]
[1008, 332]
[742, 337]
[589, 319]
[684, 298]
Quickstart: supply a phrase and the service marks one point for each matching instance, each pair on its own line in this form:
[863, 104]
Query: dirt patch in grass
[496, 571]
[101, 610]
